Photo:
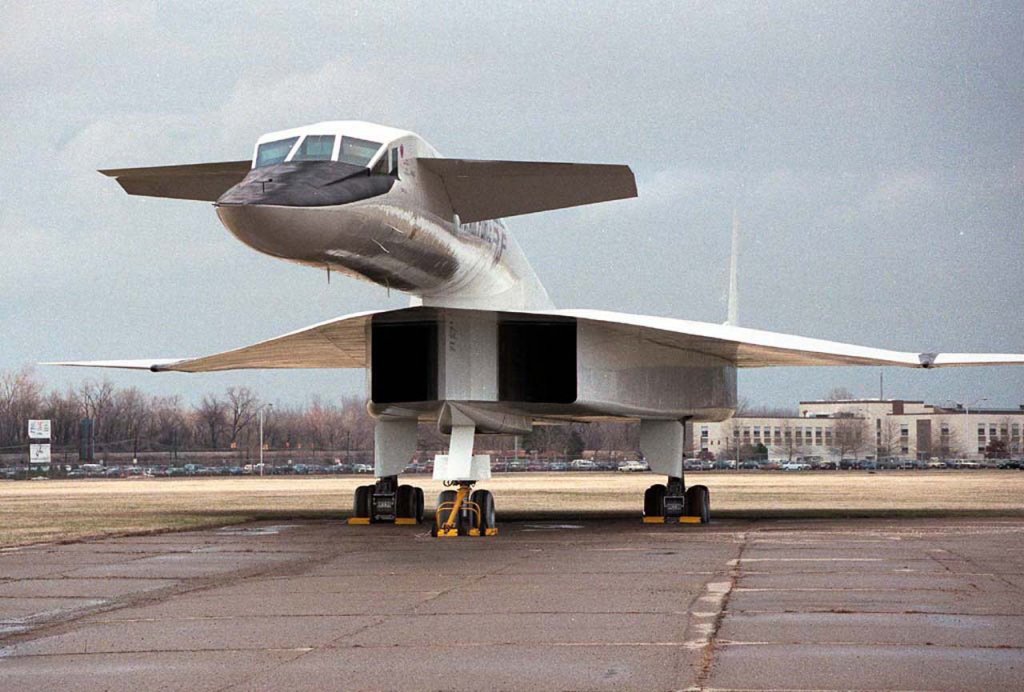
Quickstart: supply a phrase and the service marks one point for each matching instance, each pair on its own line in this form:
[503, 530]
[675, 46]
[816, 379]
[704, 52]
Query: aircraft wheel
[445, 497]
[485, 501]
[654, 501]
[361, 501]
[405, 502]
[418, 505]
[698, 503]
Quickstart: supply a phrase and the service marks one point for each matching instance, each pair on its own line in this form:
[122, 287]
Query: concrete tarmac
[614, 604]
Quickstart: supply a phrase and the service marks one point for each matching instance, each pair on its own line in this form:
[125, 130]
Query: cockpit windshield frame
[318, 145]
[315, 148]
[358, 152]
[269, 153]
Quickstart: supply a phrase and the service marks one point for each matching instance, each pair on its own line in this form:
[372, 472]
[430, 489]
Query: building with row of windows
[864, 429]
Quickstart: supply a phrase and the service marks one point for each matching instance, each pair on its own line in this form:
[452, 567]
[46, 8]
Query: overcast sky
[874, 152]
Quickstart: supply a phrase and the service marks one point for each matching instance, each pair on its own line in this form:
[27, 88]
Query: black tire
[444, 497]
[361, 501]
[368, 505]
[405, 501]
[698, 503]
[485, 501]
[654, 501]
[418, 505]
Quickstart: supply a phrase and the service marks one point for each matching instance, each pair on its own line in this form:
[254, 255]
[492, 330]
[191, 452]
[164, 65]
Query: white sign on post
[39, 454]
[39, 429]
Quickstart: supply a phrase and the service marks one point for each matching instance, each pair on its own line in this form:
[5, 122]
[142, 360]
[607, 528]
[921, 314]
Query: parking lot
[318, 467]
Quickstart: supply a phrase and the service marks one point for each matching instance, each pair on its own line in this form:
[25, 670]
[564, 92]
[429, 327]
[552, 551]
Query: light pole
[262, 408]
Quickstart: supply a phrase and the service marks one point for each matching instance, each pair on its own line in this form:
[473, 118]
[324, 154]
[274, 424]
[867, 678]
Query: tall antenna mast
[734, 291]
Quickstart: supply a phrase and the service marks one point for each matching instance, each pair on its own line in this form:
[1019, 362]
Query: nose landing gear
[464, 513]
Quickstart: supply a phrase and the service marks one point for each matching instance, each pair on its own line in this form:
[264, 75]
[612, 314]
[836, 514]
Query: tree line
[126, 419]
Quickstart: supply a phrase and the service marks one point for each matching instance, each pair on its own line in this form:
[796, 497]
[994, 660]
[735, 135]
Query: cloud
[873, 151]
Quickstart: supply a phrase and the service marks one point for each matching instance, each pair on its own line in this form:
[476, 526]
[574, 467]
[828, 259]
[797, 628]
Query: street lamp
[264, 406]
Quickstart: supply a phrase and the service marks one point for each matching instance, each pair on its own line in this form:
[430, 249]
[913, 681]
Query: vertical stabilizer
[734, 293]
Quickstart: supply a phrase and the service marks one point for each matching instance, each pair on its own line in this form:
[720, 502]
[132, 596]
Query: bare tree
[168, 424]
[96, 401]
[888, 443]
[131, 413]
[20, 399]
[790, 446]
[732, 441]
[769, 412]
[849, 435]
[839, 394]
[64, 415]
[210, 419]
[241, 408]
[1013, 444]
[946, 441]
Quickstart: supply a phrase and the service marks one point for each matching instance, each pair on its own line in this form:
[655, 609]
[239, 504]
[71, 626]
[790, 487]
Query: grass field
[44, 511]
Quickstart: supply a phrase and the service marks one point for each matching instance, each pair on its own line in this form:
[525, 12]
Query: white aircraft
[481, 349]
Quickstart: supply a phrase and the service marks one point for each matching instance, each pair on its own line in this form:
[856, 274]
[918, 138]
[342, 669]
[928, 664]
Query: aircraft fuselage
[388, 222]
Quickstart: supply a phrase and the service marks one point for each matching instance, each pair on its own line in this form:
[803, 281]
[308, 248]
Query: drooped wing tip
[153, 364]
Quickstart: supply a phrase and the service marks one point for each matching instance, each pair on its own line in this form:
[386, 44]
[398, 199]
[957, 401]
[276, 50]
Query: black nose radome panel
[307, 184]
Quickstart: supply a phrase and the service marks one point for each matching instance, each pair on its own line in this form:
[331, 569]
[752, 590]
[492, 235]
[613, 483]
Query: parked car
[630, 466]
[796, 466]
[362, 468]
[582, 465]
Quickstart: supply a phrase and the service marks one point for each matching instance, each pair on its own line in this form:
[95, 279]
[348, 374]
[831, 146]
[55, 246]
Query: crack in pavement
[723, 594]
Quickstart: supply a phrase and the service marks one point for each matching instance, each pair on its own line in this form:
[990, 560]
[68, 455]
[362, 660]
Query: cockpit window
[315, 148]
[274, 152]
[357, 151]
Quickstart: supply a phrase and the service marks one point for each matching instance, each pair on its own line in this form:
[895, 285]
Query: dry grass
[70, 510]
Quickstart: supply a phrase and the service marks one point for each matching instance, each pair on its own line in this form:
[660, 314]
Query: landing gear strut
[387, 502]
[464, 513]
[673, 502]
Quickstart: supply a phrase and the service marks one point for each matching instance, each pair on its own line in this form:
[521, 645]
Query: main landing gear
[673, 503]
[464, 513]
[387, 502]
[662, 444]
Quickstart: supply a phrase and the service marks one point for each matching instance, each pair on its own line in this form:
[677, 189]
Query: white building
[864, 429]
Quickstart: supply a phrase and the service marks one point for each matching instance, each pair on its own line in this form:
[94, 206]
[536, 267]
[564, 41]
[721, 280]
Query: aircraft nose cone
[257, 226]
[306, 184]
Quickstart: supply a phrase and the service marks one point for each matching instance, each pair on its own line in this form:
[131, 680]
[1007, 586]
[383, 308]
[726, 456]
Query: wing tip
[155, 365]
